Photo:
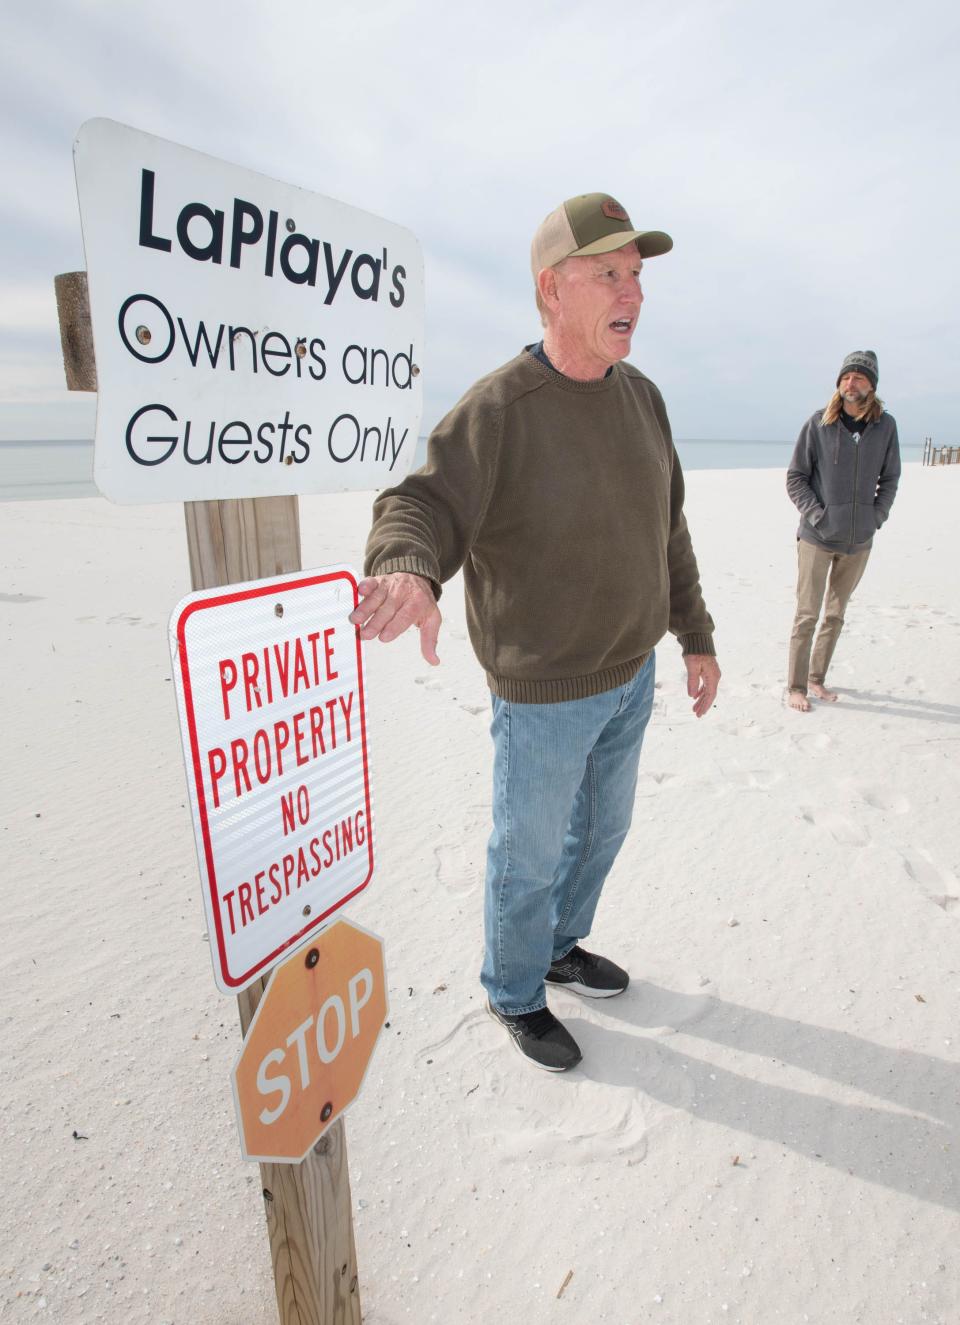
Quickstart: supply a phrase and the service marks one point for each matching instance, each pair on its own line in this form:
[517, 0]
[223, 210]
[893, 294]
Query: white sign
[252, 339]
[270, 692]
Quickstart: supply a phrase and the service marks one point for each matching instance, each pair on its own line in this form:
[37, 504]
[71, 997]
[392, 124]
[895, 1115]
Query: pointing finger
[429, 634]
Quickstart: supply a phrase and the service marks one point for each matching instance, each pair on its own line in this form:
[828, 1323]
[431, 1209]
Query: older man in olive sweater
[555, 486]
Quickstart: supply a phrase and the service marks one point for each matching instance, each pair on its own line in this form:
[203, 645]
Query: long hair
[871, 411]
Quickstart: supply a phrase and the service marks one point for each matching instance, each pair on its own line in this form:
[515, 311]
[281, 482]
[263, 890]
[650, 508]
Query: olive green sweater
[563, 503]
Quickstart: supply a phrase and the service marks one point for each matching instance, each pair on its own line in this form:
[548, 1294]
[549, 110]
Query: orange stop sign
[306, 1051]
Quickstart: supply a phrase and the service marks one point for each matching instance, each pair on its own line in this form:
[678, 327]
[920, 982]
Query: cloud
[801, 163]
[27, 306]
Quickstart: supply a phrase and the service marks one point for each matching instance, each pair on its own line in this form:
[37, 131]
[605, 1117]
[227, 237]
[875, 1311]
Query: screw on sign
[307, 1049]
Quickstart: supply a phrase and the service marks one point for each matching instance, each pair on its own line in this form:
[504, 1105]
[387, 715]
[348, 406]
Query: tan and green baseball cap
[590, 223]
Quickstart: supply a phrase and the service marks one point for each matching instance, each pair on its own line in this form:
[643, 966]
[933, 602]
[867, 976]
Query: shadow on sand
[895, 706]
[912, 1146]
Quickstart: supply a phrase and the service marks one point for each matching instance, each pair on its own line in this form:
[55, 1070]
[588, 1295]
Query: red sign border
[237, 983]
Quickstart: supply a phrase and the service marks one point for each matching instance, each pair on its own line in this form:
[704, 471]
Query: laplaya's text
[201, 233]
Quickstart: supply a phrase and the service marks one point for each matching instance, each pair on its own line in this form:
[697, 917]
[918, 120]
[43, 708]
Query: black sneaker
[584, 973]
[541, 1038]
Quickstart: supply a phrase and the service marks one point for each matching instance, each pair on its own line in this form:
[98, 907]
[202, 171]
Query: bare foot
[796, 699]
[821, 692]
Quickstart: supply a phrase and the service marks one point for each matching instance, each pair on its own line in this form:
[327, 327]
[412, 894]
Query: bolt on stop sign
[270, 691]
[308, 1046]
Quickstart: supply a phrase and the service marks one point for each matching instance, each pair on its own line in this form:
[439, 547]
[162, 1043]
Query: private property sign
[270, 692]
[252, 339]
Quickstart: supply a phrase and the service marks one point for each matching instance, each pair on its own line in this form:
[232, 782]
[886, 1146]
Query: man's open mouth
[622, 324]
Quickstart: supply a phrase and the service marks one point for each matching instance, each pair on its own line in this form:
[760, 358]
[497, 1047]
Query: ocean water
[40, 471]
[37, 471]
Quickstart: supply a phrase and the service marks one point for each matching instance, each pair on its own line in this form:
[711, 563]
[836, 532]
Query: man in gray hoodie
[842, 479]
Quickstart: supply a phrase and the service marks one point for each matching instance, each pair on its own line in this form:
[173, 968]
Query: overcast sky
[804, 158]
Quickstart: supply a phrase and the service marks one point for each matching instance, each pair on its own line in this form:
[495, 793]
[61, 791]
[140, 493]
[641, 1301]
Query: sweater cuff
[413, 566]
[697, 644]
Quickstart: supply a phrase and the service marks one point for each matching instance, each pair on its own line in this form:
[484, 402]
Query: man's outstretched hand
[703, 679]
[390, 604]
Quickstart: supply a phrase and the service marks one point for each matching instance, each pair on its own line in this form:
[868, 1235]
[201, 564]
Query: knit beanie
[861, 361]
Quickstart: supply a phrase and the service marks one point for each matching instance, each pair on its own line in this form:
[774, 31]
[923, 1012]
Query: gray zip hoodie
[843, 488]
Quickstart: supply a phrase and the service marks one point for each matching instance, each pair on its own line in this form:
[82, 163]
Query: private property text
[248, 683]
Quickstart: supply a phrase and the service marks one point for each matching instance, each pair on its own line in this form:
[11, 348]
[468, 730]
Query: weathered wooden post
[308, 1206]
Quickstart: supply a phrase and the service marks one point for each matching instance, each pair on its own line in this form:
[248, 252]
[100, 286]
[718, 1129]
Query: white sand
[817, 1039]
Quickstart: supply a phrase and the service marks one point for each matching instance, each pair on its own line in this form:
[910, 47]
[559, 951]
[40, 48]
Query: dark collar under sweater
[540, 354]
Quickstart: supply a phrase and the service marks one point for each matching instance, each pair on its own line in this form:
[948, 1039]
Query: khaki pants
[816, 570]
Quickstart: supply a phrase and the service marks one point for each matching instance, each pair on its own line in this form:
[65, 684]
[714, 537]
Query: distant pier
[940, 455]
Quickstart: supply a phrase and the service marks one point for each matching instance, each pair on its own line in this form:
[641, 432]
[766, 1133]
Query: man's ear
[547, 287]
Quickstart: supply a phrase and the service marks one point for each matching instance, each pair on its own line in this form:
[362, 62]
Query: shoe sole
[544, 1067]
[584, 991]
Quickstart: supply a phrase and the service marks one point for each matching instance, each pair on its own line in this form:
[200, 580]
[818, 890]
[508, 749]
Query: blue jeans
[564, 783]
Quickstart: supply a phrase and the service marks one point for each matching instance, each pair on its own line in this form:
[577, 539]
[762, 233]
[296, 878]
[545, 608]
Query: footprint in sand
[812, 742]
[475, 709]
[921, 616]
[938, 884]
[751, 729]
[649, 784]
[460, 864]
[880, 799]
[755, 779]
[840, 828]
[456, 872]
[666, 1011]
[522, 1113]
